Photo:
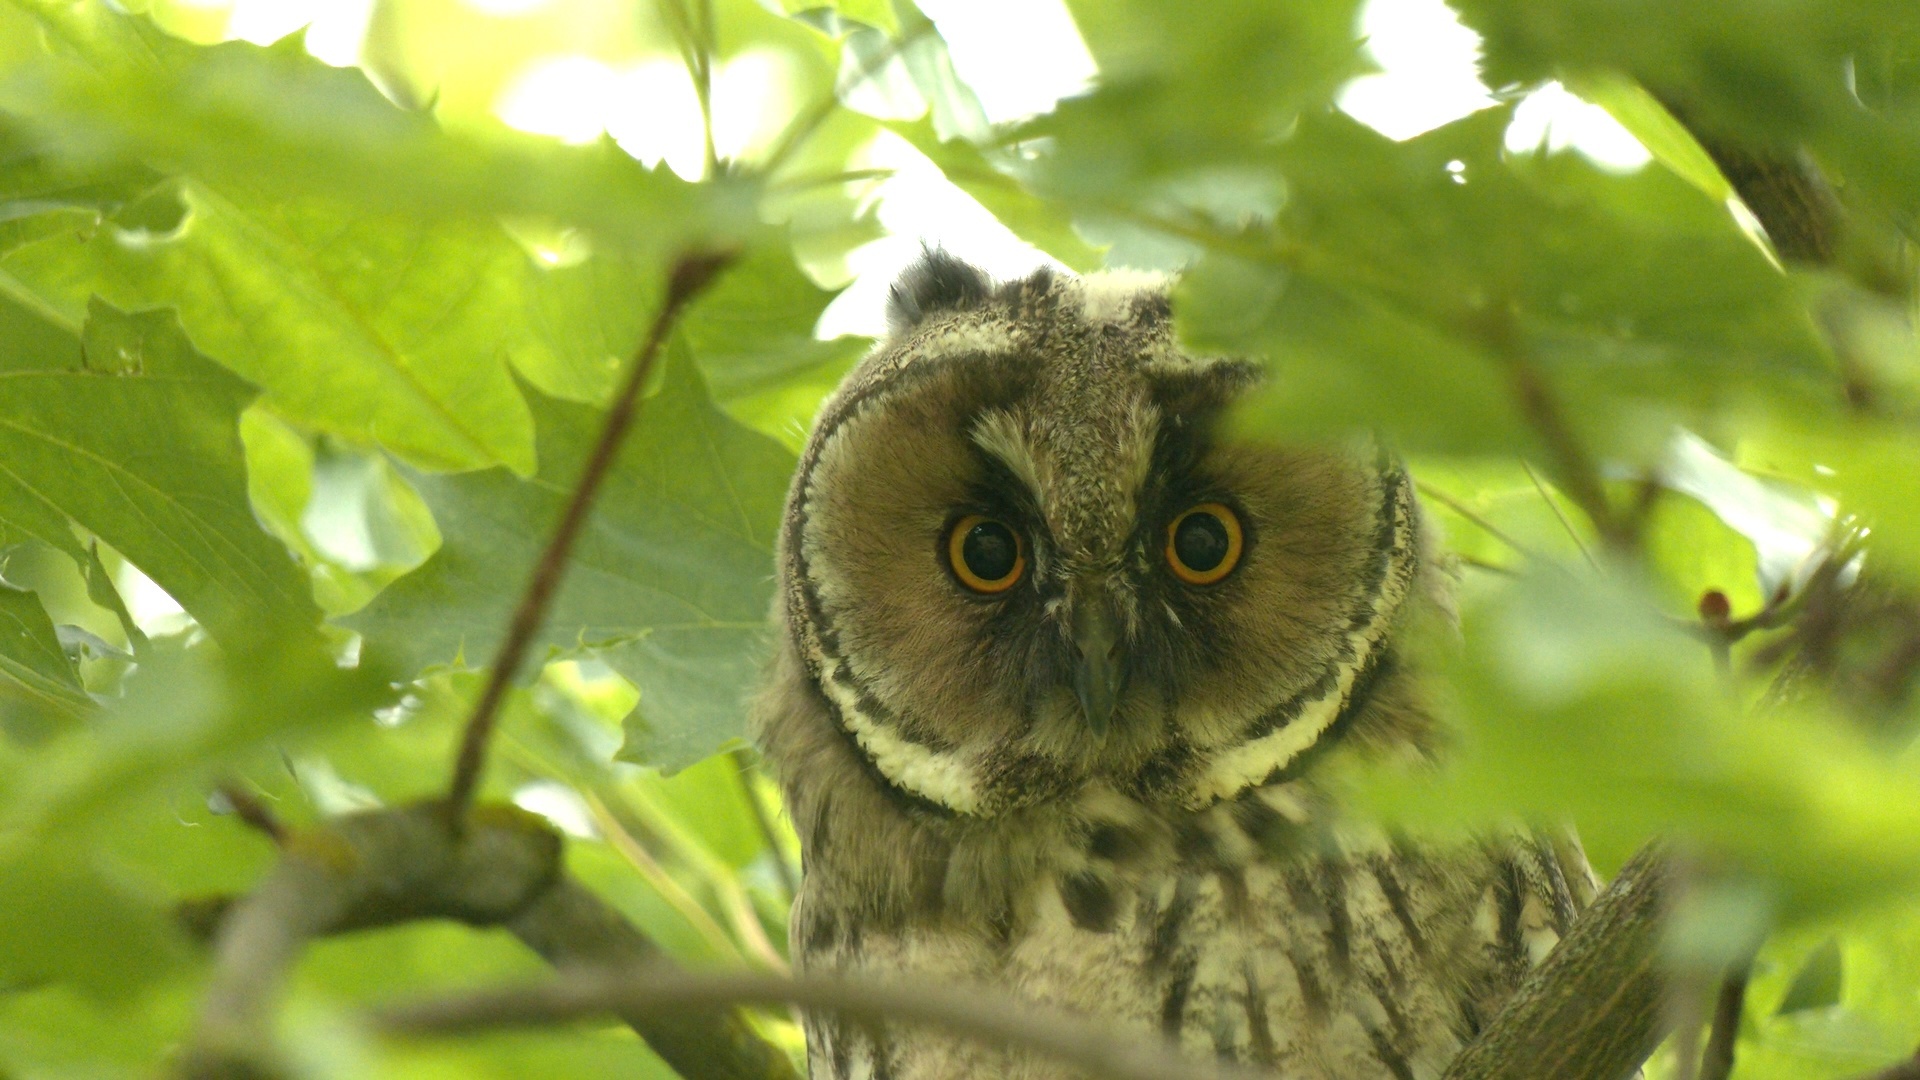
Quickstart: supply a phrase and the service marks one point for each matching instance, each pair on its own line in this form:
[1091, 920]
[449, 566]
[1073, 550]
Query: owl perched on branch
[1060, 661]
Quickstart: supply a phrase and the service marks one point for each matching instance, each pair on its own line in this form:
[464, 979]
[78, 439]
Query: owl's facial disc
[1022, 556]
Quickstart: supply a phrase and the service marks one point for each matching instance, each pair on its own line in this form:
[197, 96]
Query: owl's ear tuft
[935, 283]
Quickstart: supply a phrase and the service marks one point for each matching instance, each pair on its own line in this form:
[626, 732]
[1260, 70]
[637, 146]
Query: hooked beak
[1098, 674]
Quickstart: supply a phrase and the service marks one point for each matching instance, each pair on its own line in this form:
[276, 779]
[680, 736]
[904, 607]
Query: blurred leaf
[1785, 526]
[1426, 286]
[875, 13]
[1665, 138]
[1817, 986]
[41, 195]
[186, 712]
[1577, 701]
[62, 920]
[1799, 71]
[121, 426]
[1004, 195]
[753, 337]
[379, 327]
[669, 583]
[1181, 92]
[38, 686]
[274, 118]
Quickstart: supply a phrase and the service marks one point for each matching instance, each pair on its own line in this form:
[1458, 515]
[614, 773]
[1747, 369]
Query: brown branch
[1785, 191]
[1092, 1048]
[251, 810]
[1716, 1062]
[1428, 491]
[1575, 471]
[689, 276]
[396, 866]
[1594, 1009]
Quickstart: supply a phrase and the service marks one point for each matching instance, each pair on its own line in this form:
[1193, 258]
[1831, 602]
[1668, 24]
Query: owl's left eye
[1204, 544]
[987, 555]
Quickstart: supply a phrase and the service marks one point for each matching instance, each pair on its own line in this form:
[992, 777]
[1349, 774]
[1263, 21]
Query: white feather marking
[1108, 296]
[1233, 769]
[942, 778]
[999, 434]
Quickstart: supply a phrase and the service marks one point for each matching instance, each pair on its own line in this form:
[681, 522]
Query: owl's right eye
[986, 555]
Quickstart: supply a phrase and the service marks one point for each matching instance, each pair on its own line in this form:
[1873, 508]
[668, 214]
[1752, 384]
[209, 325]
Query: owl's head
[1022, 554]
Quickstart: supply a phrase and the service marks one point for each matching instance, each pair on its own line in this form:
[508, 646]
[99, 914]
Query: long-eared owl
[1060, 660]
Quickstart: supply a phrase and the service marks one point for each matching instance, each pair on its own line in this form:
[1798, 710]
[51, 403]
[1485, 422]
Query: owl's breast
[1357, 962]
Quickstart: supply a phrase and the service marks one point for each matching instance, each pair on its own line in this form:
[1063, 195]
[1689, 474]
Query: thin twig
[743, 768]
[690, 275]
[1572, 533]
[1429, 491]
[1716, 1062]
[806, 123]
[253, 812]
[1092, 1048]
[1489, 567]
[1577, 474]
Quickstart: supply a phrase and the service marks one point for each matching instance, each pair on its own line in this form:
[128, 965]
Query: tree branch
[395, 866]
[1594, 1009]
[979, 1014]
[1716, 1063]
[690, 275]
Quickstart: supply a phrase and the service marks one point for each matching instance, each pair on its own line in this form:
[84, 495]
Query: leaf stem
[689, 277]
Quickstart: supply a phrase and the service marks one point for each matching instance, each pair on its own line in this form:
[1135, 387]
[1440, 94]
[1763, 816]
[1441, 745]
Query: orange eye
[1203, 544]
[986, 555]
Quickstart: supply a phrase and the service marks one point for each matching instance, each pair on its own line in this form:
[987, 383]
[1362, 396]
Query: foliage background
[297, 363]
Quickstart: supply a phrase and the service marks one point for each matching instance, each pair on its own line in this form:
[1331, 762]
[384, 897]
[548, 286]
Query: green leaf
[752, 334]
[41, 195]
[276, 119]
[669, 583]
[1430, 286]
[1665, 138]
[62, 919]
[1578, 702]
[375, 326]
[1182, 91]
[1835, 76]
[38, 686]
[121, 427]
[1817, 984]
[998, 188]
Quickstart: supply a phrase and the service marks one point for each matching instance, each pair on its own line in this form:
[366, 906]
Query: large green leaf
[1837, 76]
[1432, 286]
[1577, 701]
[121, 427]
[276, 118]
[669, 583]
[377, 326]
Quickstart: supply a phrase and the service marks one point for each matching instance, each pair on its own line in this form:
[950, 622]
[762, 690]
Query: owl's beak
[1098, 672]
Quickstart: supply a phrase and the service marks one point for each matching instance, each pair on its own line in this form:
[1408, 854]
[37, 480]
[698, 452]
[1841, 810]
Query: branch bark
[981, 1014]
[1595, 1009]
[502, 868]
[689, 277]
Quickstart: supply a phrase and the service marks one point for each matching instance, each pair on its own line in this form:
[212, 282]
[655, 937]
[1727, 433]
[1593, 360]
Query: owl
[1062, 667]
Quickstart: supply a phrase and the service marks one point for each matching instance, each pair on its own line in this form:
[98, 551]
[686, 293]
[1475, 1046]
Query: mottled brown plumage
[1100, 788]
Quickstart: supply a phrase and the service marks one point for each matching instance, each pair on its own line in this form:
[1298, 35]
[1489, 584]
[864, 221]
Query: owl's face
[1022, 556]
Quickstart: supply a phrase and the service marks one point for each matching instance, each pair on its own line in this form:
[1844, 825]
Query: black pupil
[990, 551]
[1200, 540]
